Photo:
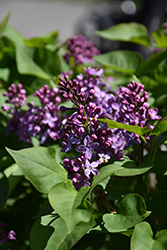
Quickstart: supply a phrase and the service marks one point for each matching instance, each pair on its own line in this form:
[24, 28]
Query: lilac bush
[88, 166]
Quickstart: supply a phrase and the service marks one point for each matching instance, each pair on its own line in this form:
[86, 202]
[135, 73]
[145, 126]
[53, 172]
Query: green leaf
[127, 32]
[4, 186]
[51, 233]
[65, 200]
[48, 41]
[14, 35]
[26, 64]
[159, 129]
[160, 166]
[40, 167]
[121, 168]
[130, 210]
[158, 201]
[39, 62]
[134, 129]
[123, 60]
[160, 39]
[151, 63]
[4, 23]
[142, 238]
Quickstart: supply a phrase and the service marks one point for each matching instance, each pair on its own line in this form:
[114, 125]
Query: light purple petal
[87, 140]
[88, 153]
[87, 172]
[94, 164]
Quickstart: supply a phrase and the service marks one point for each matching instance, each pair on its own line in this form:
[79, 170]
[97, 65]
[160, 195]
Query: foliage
[83, 141]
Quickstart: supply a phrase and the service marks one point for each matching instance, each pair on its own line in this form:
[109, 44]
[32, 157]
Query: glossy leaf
[65, 200]
[134, 129]
[4, 23]
[160, 128]
[121, 168]
[51, 233]
[142, 238]
[123, 60]
[40, 167]
[130, 210]
[126, 32]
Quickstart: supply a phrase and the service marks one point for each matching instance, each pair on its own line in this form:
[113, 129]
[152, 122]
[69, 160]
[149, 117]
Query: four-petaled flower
[91, 168]
[49, 120]
[71, 140]
[153, 114]
[103, 158]
[87, 147]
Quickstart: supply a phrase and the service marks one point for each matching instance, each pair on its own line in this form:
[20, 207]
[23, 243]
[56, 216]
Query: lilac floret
[87, 147]
[3, 237]
[71, 140]
[91, 168]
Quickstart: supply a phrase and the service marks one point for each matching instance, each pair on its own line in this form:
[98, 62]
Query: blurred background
[71, 17]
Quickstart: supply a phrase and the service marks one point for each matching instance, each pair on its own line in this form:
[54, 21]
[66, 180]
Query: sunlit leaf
[134, 129]
[4, 23]
[121, 168]
[160, 128]
[65, 200]
[160, 39]
[40, 167]
[123, 60]
[126, 32]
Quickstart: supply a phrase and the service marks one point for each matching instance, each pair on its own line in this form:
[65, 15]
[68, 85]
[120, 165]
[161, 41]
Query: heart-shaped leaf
[130, 210]
[142, 238]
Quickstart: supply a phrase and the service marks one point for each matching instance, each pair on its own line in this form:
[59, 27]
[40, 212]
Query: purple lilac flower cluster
[16, 99]
[94, 141]
[4, 237]
[42, 121]
[81, 50]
